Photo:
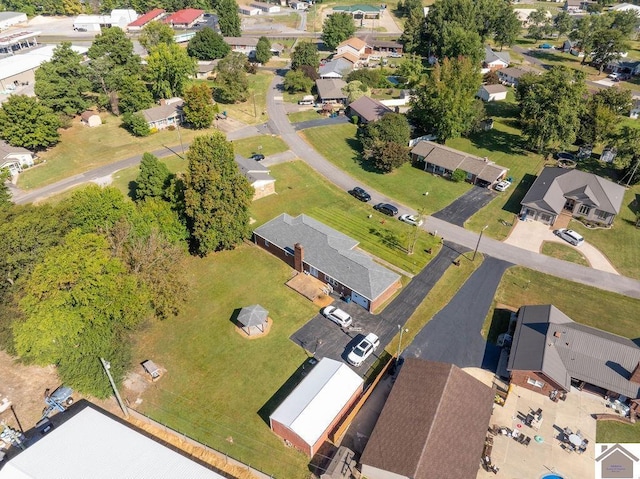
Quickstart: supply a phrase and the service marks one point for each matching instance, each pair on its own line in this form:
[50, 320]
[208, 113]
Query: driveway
[466, 206]
[453, 335]
[531, 234]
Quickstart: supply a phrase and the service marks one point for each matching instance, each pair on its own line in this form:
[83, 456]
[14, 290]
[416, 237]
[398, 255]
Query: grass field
[305, 115]
[613, 431]
[267, 145]
[563, 252]
[407, 184]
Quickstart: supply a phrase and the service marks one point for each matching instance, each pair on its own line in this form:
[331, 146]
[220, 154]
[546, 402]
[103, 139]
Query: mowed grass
[305, 115]
[301, 190]
[563, 252]
[219, 384]
[407, 184]
[265, 144]
[613, 431]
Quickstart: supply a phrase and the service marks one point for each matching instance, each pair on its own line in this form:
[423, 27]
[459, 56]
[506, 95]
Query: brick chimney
[635, 375]
[298, 257]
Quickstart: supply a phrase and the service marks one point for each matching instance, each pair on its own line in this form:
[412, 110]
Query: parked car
[565, 155]
[257, 157]
[614, 76]
[338, 316]
[363, 349]
[395, 55]
[546, 46]
[503, 185]
[386, 209]
[570, 236]
[306, 102]
[360, 194]
[411, 219]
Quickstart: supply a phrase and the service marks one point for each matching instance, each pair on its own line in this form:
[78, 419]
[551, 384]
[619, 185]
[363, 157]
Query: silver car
[570, 236]
[363, 350]
[338, 316]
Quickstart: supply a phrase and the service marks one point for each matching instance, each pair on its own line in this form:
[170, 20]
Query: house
[110, 448]
[360, 12]
[350, 57]
[635, 109]
[330, 90]
[307, 416]
[258, 175]
[90, 118]
[353, 45]
[577, 7]
[368, 109]
[313, 248]
[337, 68]
[432, 426]
[495, 60]
[168, 113]
[250, 11]
[385, 46]
[151, 16]
[551, 352]
[492, 93]
[246, 45]
[622, 66]
[14, 158]
[9, 19]
[186, 18]
[561, 191]
[510, 76]
[442, 160]
[94, 23]
[625, 7]
[205, 69]
[299, 5]
[277, 49]
[266, 7]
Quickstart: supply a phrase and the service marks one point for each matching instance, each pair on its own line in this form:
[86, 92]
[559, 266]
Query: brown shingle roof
[433, 424]
[354, 42]
[369, 108]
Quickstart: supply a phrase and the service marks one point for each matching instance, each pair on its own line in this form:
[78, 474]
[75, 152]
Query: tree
[608, 46]
[80, 304]
[539, 24]
[355, 90]
[336, 28]
[154, 33]
[444, 14]
[296, 81]
[62, 84]
[232, 85]
[228, 18]
[550, 108]
[136, 124]
[563, 23]
[491, 78]
[168, 70]
[508, 27]
[263, 50]
[5, 194]
[444, 104]
[411, 37]
[199, 109]
[600, 119]
[459, 42]
[372, 77]
[134, 95]
[625, 21]
[208, 45]
[628, 145]
[153, 178]
[24, 121]
[217, 197]
[94, 208]
[305, 53]
[385, 141]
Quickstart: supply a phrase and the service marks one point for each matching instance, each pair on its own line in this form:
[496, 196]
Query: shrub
[355, 119]
[458, 175]
[136, 124]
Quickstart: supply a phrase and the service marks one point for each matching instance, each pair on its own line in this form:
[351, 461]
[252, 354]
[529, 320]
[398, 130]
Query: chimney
[163, 102]
[635, 375]
[298, 257]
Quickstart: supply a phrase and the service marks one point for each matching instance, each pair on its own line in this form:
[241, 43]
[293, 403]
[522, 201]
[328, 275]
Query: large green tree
[168, 70]
[94, 208]
[24, 121]
[411, 70]
[199, 109]
[445, 104]
[540, 24]
[263, 50]
[232, 85]
[411, 37]
[208, 45]
[153, 179]
[296, 81]
[62, 83]
[602, 114]
[508, 27]
[628, 158]
[134, 95]
[217, 196]
[228, 18]
[305, 54]
[385, 141]
[154, 33]
[460, 42]
[337, 28]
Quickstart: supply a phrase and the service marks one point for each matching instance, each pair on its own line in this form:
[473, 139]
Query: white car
[363, 350]
[503, 185]
[570, 236]
[338, 316]
[411, 219]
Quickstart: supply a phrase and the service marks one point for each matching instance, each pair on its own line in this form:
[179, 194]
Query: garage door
[361, 300]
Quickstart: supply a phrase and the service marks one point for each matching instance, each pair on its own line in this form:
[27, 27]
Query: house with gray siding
[561, 191]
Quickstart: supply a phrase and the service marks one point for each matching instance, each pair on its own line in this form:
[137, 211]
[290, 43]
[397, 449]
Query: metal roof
[30, 60]
[92, 444]
[337, 66]
[315, 403]
[150, 16]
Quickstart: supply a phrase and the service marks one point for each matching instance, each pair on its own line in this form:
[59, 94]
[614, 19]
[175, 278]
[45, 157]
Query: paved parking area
[466, 206]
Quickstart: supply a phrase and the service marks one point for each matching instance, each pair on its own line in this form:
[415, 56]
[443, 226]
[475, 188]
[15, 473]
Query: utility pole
[107, 366]
[475, 251]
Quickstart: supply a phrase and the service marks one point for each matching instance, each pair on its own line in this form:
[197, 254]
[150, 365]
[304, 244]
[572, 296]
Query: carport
[253, 319]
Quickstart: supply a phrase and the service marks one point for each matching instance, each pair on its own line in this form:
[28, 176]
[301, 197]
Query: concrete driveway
[531, 234]
[466, 206]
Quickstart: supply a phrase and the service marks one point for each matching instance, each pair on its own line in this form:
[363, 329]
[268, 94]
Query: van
[570, 236]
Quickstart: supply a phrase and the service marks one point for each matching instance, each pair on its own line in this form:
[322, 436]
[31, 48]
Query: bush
[458, 175]
[355, 119]
[136, 124]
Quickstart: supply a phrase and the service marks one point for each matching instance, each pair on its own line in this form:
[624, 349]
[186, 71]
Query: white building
[14, 158]
[94, 23]
[492, 93]
[9, 19]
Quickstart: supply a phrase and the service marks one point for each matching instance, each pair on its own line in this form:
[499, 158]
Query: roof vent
[557, 334]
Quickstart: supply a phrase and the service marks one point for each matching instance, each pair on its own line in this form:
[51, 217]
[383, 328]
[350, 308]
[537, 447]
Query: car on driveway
[386, 209]
[503, 185]
[338, 316]
[411, 219]
[570, 236]
[395, 55]
[363, 349]
[257, 157]
[360, 194]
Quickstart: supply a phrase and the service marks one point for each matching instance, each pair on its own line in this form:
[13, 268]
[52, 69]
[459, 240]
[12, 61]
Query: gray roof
[206, 67]
[340, 66]
[241, 41]
[548, 341]
[254, 315]
[491, 56]
[369, 108]
[162, 112]
[6, 149]
[512, 72]
[329, 251]
[331, 89]
[451, 159]
[253, 170]
[554, 185]
[9, 15]
[494, 88]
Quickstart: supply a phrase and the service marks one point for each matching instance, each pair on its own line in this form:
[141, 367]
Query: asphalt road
[466, 206]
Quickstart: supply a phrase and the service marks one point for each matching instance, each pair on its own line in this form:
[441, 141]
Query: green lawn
[564, 252]
[407, 184]
[305, 115]
[613, 431]
[267, 145]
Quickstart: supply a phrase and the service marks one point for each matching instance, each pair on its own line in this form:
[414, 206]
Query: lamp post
[475, 251]
[402, 330]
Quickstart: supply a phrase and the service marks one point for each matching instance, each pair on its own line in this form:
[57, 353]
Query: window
[535, 383]
[331, 281]
[603, 215]
[584, 210]
[266, 244]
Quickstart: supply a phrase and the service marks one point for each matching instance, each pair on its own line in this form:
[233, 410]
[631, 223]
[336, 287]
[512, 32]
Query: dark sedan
[360, 194]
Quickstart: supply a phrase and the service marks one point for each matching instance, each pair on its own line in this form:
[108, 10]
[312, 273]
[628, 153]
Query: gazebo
[253, 318]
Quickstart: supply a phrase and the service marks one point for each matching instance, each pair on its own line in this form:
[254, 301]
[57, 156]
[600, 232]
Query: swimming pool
[551, 476]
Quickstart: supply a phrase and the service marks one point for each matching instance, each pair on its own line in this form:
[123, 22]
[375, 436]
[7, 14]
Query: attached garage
[361, 300]
[307, 416]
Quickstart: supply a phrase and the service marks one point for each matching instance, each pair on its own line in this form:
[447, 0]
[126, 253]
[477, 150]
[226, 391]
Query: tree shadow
[132, 187]
[597, 167]
[502, 109]
[513, 204]
[496, 140]
[499, 324]
[388, 238]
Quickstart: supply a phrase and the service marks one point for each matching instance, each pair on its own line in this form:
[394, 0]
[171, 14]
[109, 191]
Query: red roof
[186, 16]
[147, 17]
